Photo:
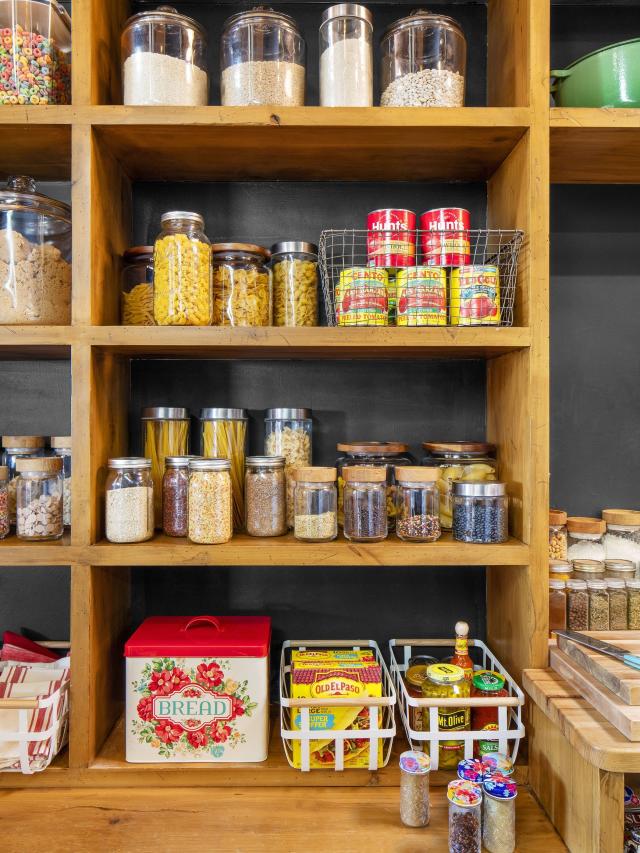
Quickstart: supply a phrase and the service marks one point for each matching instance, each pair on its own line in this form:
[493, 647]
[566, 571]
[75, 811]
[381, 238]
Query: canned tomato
[474, 296]
[391, 238]
[445, 237]
[422, 296]
[361, 297]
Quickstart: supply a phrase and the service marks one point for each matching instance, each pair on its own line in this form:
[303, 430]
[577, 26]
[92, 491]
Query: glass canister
[577, 605]
[164, 60]
[588, 570]
[617, 604]
[480, 512]
[5, 525]
[295, 283]
[35, 256]
[633, 605]
[182, 271]
[585, 538]
[136, 304]
[210, 501]
[414, 788]
[465, 816]
[417, 504]
[175, 488]
[165, 432]
[35, 55]
[447, 681]
[365, 504]
[315, 500]
[414, 678]
[598, 606]
[561, 570]
[346, 56]
[557, 534]
[621, 569]
[288, 433]
[424, 59]
[499, 814]
[622, 539]
[61, 446]
[266, 496]
[557, 605]
[18, 447]
[470, 461]
[224, 436]
[241, 285]
[39, 498]
[129, 500]
[262, 60]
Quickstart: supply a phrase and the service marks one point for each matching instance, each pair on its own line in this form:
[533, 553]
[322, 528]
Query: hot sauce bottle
[461, 655]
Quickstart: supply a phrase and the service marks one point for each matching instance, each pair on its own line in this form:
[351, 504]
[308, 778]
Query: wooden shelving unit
[595, 146]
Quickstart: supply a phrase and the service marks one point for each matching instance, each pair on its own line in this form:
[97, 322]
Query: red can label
[445, 237]
[391, 238]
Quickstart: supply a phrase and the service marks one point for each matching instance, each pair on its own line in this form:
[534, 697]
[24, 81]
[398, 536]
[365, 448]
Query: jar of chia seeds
[480, 512]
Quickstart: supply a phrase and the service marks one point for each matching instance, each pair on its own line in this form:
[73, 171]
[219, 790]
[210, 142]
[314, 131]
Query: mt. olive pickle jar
[288, 433]
[617, 604]
[39, 498]
[598, 606]
[165, 432]
[465, 816]
[417, 504]
[446, 681]
[365, 504]
[557, 534]
[459, 460]
[4, 502]
[585, 538]
[376, 454]
[209, 502]
[315, 504]
[175, 486]
[18, 447]
[266, 496]
[295, 284]
[480, 512]
[241, 285]
[577, 605]
[414, 788]
[129, 500]
[137, 287]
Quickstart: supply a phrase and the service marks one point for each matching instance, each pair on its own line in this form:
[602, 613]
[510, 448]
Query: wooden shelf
[595, 146]
[44, 151]
[17, 552]
[36, 341]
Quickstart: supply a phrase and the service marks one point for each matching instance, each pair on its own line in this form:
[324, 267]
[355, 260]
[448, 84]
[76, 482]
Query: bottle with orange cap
[461, 656]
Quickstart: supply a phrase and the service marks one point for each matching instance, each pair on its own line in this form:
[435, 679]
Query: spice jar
[621, 569]
[633, 605]
[557, 534]
[182, 271]
[315, 502]
[459, 460]
[295, 284]
[241, 285]
[414, 788]
[288, 433]
[617, 604]
[465, 807]
[578, 605]
[175, 487]
[164, 57]
[5, 524]
[414, 678]
[598, 606]
[224, 436]
[376, 454]
[266, 496]
[61, 446]
[209, 501]
[165, 432]
[561, 570]
[557, 605]
[488, 685]
[262, 58]
[39, 498]
[499, 814]
[424, 58]
[137, 287]
[480, 512]
[417, 504]
[18, 447]
[446, 681]
[129, 500]
[346, 56]
[585, 538]
[35, 256]
[622, 539]
[588, 570]
[365, 504]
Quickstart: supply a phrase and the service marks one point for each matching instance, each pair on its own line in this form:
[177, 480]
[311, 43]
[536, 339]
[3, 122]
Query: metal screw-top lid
[294, 247]
[179, 461]
[287, 414]
[209, 464]
[620, 565]
[164, 413]
[347, 10]
[479, 490]
[223, 414]
[266, 461]
[128, 462]
[189, 215]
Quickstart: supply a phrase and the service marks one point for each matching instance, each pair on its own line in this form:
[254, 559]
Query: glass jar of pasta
[210, 502]
[374, 454]
[288, 433]
[469, 461]
[315, 504]
[137, 287]
[295, 284]
[165, 432]
[241, 285]
[18, 447]
[182, 271]
[224, 436]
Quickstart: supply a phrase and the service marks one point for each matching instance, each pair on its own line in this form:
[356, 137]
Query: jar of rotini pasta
[241, 285]
[182, 271]
[165, 432]
[137, 287]
[224, 436]
[295, 283]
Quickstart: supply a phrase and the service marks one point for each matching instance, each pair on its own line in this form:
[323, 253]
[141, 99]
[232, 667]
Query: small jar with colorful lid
[414, 788]
[585, 538]
[557, 534]
[560, 570]
[499, 818]
[465, 806]
[486, 684]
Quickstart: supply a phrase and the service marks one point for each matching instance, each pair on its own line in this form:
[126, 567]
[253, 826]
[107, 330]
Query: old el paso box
[335, 673]
[198, 689]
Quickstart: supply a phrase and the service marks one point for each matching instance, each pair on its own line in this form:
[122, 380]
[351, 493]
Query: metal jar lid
[479, 490]
[620, 565]
[189, 215]
[287, 414]
[590, 566]
[179, 461]
[209, 464]
[20, 195]
[164, 413]
[164, 15]
[266, 461]
[223, 414]
[129, 462]
[347, 10]
[293, 247]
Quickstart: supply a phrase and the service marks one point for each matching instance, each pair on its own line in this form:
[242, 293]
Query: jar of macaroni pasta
[295, 283]
[417, 504]
[365, 504]
[165, 432]
[224, 436]
[210, 501]
[315, 504]
[137, 287]
[288, 433]
[61, 446]
[39, 498]
[241, 285]
[18, 447]
[470, 461]
[129, 500]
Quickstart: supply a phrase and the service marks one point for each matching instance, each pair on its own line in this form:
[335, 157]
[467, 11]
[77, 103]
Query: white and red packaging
[391, 238]
[444, 237]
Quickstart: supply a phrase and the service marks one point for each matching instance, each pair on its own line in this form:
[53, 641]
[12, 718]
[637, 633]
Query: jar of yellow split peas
[223, 435]
[241, 285]
[165, 432]
[459, 460]
[137, 287]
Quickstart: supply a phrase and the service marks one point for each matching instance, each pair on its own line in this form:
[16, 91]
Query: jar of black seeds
[480, 512]
[365, 503]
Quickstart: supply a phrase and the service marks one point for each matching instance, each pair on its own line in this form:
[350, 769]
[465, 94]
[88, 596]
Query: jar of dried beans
[175, 489]
[265, 496]
[633, 605]
[480, 512]
[414, 788]
[617, 604]
[39, 498]
[585, 538]
[578, 605]
[471, 461]
[210, 501]
[241, 285]
[61, 446]
[365, 504]
[598, 606]
[288, 433]
[129, 500]
[499, 817]
[315, 504]
[557, 605]
[417, 503]
[557, 534]
[465, 806]
[295, 284]
[622, 539]
[18, 447]
[4, 502]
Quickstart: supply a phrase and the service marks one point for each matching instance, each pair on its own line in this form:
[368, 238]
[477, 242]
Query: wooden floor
[236, 820]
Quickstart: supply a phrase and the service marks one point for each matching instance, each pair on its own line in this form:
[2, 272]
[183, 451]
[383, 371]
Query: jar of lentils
[633, 605]
[175, 487]
[129, 500]
[417, 504]
[365, 504]
[578, 605]
[265, 496]
[288, 433]
[480, 512]
[210, 502]
[598, 606]
[39, 498]
[622, 539]
[315, 505]
[5, 525]
[557, 534]
[585, 539]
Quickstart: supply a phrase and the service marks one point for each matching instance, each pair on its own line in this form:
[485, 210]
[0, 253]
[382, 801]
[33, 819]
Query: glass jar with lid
[262, 60]
[577, 605]
[557, 534]
[315, 504]
[617, 604]
[224, 436]
[561, 570]
[417, 504]
[465, 816]
[35, 57]
[414, 788]
[557, 605]
[18, 447]
[346, 56]
[424, 59]
[61, 446]
[136, 304]
[39, 498]
[480, 512]
[365, 504]
[375, 454]
[241, 285]
[288, 433]
[266, 496]
[129, 500]
[499, 814]
[633, 605]
[175, 488]
[470, 461]
[5, 524]
[35, 256]
[622, 539]
[585, 538]
[598, 605]
[588, 570]
[165, 432]
[414, 677]
[164, 59]
[182, 271]
[447, 681]
[295, 283]
[621, 569]
[210, 502]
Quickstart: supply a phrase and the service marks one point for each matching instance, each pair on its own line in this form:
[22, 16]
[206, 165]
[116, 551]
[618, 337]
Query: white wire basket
[381, 726]
[510, 729]
[343, 249]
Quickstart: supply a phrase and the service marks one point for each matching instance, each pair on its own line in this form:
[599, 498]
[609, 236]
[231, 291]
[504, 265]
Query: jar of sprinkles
[480, 512]
[499, 818]
[465, 804]
[414, 788]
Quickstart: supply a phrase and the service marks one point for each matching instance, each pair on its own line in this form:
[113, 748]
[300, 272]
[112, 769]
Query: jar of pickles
[365, 504]
[459, 460]
[18, 447]
[295, 284]
[315, 504]
[288, 433]
[137, 287]
[557, 534]
[209, 502]
[165, 432]
[376, 454]
[447, 681]
[585, 539]
[224, 436]
[417, 504]
[241, 285]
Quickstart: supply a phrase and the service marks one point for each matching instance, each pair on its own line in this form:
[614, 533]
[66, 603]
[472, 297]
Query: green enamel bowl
[609, 77]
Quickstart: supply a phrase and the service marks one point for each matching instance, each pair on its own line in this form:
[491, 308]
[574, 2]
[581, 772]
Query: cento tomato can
[474, 296]
[421, 296]
[445, 237]
[361, 297]
[391, 238]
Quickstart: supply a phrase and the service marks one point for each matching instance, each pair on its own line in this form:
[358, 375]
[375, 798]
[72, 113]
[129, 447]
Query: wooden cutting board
[621, 680]
[626, 718]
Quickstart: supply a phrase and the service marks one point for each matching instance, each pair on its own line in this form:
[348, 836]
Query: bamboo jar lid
[23, 441]
[623, 517]
[41, 464]
[314, 474]
[582, 524]
[557, 517]
[364, 474]
[60, 441]
[417, 474]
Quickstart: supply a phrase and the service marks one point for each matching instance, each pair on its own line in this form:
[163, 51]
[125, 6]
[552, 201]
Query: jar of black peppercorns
[480, 512]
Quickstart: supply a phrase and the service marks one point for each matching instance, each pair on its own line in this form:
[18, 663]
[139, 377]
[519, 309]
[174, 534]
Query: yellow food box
[337, 673]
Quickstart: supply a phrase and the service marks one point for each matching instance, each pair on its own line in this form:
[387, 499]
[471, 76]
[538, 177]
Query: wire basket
[460, 303]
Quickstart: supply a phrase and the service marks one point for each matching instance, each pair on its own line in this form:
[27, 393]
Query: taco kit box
[197, 689]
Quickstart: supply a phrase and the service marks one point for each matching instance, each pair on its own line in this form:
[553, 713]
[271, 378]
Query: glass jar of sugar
[622, 539]
[585, 538]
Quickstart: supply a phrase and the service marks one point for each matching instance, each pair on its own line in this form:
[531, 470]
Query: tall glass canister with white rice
[346, 56]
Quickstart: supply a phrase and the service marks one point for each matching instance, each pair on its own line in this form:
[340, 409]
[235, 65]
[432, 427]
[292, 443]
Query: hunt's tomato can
[362, 297]
[474, 296]
[391, 238]
[444, 237]
[422, 297]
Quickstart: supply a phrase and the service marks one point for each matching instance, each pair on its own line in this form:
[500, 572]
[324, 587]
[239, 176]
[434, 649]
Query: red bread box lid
[201, 636]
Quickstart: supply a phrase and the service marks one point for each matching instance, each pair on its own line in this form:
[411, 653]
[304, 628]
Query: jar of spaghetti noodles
[165, 432]
[224, 436]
